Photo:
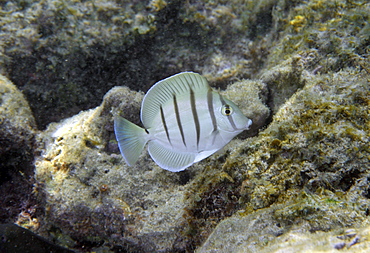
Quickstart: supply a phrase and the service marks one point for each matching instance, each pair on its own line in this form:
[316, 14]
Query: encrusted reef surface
[308, 171]
[297, 181]
[17, 145]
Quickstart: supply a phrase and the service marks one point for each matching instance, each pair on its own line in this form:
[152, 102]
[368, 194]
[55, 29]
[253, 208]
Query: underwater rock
[286, 78]
[309, 59]
[348, 240]
[93, 196]
[17, 144]
[16, 239]
[263, 231]
[65, 55]
[14, 112]
[313, 157]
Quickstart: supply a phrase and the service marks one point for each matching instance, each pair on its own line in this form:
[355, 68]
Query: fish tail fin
[131, 139]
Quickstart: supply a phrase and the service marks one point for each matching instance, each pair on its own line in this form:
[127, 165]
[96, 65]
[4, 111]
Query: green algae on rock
[308, 169]
[317, 139]
[339, 30]
[270, 230]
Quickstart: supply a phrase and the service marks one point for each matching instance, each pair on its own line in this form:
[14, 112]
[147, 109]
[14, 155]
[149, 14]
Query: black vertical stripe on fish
[230, 118]
[164, 124]
[195, 114]
[178, 119]
[211, 110]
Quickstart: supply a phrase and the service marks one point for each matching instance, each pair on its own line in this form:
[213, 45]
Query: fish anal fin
[168, 159]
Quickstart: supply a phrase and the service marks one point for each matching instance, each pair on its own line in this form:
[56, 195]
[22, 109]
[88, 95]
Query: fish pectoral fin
[168, 159]
[131, 139]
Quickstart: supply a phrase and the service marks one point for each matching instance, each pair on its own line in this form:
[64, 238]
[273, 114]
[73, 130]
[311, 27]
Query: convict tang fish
[184, 122]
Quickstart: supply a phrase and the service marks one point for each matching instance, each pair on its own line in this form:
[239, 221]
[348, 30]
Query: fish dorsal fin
[168, 158]
[164, 90]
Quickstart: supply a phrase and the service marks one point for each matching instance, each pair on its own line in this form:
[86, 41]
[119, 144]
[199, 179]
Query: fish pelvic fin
[131, 139]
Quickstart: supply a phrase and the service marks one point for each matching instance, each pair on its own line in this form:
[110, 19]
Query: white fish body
[185, 121]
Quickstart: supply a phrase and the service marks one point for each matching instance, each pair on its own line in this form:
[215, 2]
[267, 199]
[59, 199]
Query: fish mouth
[241, 129]
[248, 125]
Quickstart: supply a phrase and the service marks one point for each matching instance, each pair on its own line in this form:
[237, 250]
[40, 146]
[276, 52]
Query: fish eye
[226, 110]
